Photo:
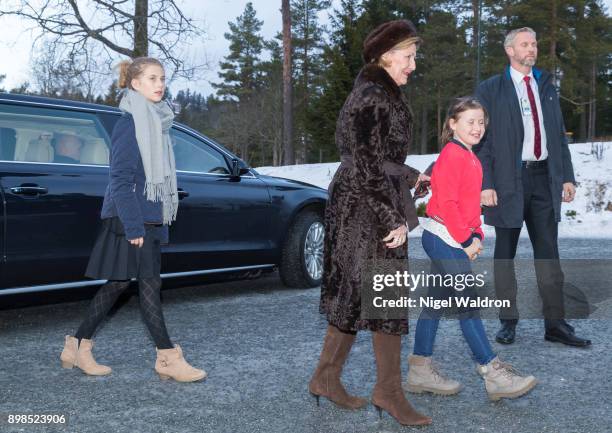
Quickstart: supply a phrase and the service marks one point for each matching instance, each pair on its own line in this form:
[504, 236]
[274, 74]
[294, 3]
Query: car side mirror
[237, 169]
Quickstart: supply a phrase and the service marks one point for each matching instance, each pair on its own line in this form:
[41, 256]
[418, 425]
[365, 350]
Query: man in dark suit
[527, 172]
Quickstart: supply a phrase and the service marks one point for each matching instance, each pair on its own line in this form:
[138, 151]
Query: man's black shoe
[553, 323]
[565, 334]
[570, 327]
[506, 334]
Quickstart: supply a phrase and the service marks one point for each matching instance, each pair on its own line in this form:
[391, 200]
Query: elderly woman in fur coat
[367, 218]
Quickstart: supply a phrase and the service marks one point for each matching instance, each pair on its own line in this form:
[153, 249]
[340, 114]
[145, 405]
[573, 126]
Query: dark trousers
[539, 217]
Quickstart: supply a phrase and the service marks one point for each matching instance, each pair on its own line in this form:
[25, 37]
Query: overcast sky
[213, 16]
[15, 40]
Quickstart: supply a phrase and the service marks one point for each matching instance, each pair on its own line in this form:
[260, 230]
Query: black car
[53, 174]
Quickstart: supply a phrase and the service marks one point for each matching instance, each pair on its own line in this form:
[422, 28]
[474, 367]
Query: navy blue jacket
[124, 196]
[500, 150]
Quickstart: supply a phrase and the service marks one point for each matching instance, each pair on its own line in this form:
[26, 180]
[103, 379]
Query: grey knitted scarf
[153, 122]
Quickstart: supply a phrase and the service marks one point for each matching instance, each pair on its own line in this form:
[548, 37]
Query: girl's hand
[138, 241]
[422, 178]
[397, 237]
[474, 250]
[488, 197]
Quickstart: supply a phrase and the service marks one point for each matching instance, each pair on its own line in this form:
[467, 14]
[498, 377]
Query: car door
[223, 221]
[53, 173]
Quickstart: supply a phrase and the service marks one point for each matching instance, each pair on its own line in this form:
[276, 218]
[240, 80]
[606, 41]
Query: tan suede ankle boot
[86, 361]
[79, 355]
[170, 364]
[69, 354]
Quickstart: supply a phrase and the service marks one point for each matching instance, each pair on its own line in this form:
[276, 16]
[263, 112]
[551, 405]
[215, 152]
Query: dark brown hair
[130, 69]
[458, 106]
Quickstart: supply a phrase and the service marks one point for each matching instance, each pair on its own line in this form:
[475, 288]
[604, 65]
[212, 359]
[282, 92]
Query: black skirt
[114, 258]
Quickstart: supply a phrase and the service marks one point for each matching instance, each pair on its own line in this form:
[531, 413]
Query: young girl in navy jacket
[140, 202]
[452, 237]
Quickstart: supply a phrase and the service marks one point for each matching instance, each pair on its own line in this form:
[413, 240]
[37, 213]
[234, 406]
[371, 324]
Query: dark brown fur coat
[375, 125]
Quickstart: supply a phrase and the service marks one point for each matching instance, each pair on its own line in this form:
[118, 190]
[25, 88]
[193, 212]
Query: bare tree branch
[112, 6]
[110, 23]
[97, 34]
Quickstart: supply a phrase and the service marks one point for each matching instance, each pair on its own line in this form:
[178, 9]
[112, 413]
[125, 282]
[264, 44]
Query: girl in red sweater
[452, 237]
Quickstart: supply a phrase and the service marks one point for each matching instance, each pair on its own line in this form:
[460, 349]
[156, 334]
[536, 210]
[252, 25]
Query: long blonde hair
[458, 106]
[130, 69]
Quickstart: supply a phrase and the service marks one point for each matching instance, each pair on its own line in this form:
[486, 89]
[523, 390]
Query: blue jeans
[448, 260]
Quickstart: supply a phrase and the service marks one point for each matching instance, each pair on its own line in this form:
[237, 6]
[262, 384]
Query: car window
[192, 154]
[33, 134]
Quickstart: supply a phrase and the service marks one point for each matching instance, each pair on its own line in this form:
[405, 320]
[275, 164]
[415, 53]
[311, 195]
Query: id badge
[525, 107]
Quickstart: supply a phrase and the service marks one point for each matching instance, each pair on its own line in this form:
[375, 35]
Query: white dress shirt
[529, 137]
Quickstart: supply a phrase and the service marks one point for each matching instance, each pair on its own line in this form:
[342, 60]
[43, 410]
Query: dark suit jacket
[500, 150]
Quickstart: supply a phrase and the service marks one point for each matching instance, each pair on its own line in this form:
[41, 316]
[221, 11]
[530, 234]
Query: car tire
[301, 263]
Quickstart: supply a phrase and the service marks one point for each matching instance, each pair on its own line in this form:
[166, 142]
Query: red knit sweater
[456, 183]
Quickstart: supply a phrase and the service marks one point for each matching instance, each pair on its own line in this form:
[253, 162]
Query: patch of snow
[588, 216]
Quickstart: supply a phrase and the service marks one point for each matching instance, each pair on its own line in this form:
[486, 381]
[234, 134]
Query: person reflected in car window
[67, 148]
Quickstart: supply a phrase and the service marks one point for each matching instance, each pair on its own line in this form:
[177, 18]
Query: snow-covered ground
[589, 215]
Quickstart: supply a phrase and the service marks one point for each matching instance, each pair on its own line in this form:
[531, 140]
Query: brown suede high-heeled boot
[79, 355]
[388, 394]
[170, 363]
[326, 378]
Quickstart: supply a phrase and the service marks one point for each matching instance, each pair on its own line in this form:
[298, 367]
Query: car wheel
[302, 256]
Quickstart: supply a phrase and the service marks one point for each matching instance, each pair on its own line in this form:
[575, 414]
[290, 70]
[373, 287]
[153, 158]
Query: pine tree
[269, 99]
[307, 41]
[239, 70]
[342, 57]
[444, 72]
[112, 95]
[586, 69]
[499, 17]
[241, 74]
[574, 44]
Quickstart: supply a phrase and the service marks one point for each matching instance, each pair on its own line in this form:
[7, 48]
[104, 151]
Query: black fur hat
[386, 36]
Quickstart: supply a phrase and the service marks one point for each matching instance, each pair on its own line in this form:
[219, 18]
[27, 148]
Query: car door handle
[182, 194]
[29, 190]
